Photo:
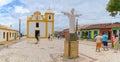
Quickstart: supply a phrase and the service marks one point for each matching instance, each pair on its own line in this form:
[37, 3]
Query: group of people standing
[103, 40]
[50, 37]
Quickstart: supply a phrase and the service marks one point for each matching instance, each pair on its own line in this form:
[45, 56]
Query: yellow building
[7, 33]
[40, 24]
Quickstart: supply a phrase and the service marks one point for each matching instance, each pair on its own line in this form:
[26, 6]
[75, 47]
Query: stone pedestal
[71, 46]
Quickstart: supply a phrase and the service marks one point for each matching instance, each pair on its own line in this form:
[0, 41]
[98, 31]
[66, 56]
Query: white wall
[1, 35]
[42, 29]
[9, 38]
[31, 27]
[12, 37]
[49, 27]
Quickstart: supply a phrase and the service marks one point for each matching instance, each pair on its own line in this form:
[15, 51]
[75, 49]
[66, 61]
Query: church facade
[40, 24]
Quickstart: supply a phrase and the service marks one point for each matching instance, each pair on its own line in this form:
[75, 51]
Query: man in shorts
[105, 41]
[98, 40]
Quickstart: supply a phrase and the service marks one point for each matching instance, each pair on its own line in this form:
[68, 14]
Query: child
[113, 37]
[116, 44]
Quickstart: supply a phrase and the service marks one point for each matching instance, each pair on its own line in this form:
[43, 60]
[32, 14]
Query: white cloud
[4, 2]
[8, 20]
[21, 10]
[93, 11]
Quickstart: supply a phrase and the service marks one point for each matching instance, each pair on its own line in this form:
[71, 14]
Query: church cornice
[39, 21]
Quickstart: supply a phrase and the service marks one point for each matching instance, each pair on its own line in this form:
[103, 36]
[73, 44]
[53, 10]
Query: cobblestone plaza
[52, 51]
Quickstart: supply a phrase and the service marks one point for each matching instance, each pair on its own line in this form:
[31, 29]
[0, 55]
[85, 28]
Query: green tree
[113, 7]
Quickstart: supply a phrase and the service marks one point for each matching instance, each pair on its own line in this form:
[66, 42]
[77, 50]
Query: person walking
[98, 40]
[37, 36]
[105, 41]
[116, 43]
[51, 37]
[58, 36]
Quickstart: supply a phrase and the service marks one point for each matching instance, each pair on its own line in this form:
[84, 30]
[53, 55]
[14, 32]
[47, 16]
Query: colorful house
[65, 32]
[92, 30]
[116, 30]
[60, 33]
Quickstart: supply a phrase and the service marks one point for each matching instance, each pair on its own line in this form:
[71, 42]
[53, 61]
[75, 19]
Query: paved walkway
[2, 46]
[27, 51]
[52, 51]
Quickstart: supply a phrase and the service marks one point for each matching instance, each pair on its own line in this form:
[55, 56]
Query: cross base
[71, 46]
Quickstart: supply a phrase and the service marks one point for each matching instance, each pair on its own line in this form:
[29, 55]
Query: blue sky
[93, 11]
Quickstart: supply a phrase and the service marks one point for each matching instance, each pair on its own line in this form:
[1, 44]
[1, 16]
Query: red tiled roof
[107, 25]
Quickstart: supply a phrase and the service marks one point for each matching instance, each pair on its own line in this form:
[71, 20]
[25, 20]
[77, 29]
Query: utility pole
[77, 28]
[11, 26]
[19, 28]
[76, 25]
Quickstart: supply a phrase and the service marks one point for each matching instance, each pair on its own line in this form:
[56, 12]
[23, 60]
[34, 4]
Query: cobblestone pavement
[88, 48]
[52, 51]
[11, 43]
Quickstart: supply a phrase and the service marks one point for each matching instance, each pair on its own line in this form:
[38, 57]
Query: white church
[42, 24]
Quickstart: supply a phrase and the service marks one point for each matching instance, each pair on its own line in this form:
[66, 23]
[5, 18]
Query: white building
[40, 24]
[7, 33]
